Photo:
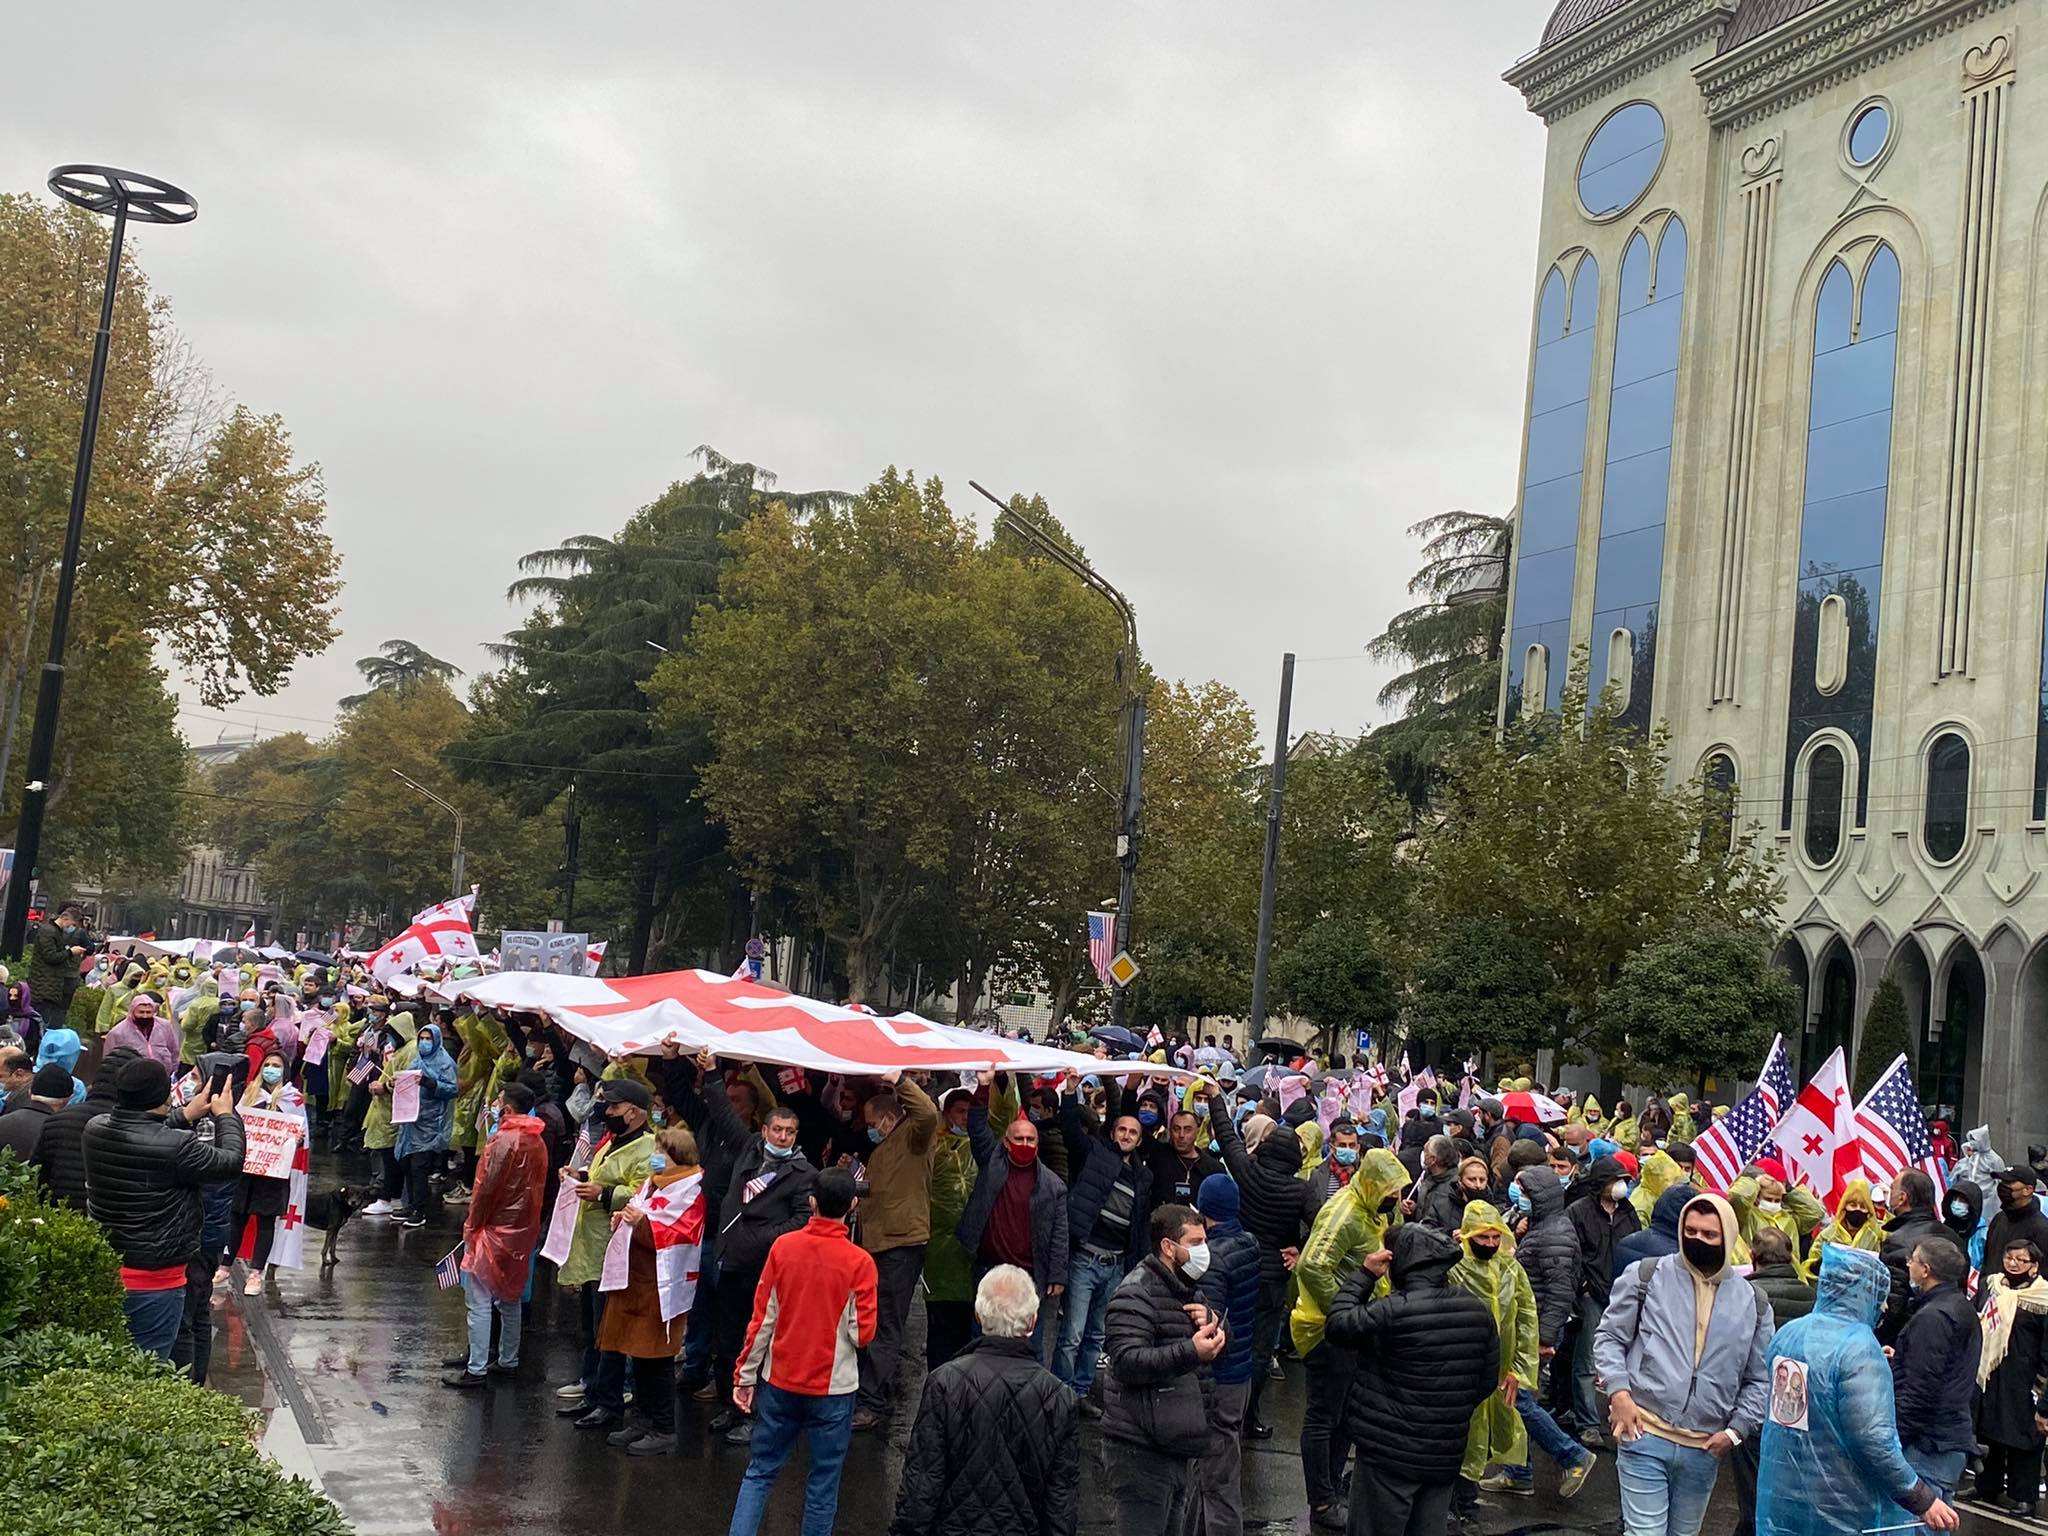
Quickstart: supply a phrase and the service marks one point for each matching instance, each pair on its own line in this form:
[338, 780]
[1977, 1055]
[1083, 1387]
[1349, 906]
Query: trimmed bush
[56, 1266]
[84, 1014]
[30, 1356]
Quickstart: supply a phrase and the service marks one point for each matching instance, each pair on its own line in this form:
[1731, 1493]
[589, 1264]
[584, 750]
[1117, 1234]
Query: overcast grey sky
[1243, 289]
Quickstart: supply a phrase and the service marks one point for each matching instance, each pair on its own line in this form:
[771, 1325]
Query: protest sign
[269, 1142]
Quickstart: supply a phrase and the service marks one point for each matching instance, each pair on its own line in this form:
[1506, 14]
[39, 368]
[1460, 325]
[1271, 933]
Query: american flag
[1102, 944]
[1728, 1145]
[448, 1273]
[1893, 1132]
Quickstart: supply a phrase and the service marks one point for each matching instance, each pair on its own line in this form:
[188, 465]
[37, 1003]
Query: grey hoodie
[1645, 1342]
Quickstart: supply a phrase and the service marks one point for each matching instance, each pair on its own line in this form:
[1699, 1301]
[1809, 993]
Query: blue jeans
[1942, 1468]
[480, 1303]
[1545, 1435]
[1585, 1395]
[779, 1417]
[1664, 1487]
[153, 1319]
[1090, 1284]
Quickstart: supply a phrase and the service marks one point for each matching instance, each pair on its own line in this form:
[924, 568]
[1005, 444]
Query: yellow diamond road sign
[1123, 970]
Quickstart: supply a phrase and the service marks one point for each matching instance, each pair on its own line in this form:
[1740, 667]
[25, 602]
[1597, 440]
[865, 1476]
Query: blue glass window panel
[1845, 533]
[1854, 381]
[1550, 515]
[1853, 455]
[1557, 444]
[1880, 296]
[1585, 301]
[1543, 586]
[1622, 156]
[1631, 569]
[1639, 416]
[1671, 256]
[1868, 135]
[1636, 492]
[1646, 342]
[1835, 311]
[1555, 637]
[1635, 274]
[1550, 309]
[1563, 372]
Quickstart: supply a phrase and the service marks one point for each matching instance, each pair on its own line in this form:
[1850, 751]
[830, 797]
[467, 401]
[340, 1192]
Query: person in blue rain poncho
[1832, 1465]
[422, 1143]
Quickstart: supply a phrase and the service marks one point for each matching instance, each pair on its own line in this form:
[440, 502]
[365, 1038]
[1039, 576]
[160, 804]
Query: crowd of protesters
[1117, 1263]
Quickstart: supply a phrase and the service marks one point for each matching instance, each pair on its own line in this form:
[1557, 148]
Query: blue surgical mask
[957, 1130]
[875, 1134]
[1344, 1157]
[1149, 1118]
[1428, 1111]
[657, 1162]
[272, 1076]
[1517, 1198]
[780, 1154]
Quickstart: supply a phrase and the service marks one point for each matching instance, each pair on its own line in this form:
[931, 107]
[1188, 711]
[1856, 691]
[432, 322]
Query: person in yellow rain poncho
[1310, 1135]
[347, 1026]
[1622, 1130]
[1682, 1127]
[1489, 1271]
[379, 1134]
[1355, 1222]
[1660, 1171]
[114, 1004]
[199, 1013]
[1762, 1199]
[1856, 1224]
[483, 1042]
[1591, 1115]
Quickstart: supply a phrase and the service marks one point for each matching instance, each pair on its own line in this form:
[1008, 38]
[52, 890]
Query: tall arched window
[1629, 576]
[1547, 539]
[1946, 821]
[1825, 777]
[1842, 519]
[1717, 830]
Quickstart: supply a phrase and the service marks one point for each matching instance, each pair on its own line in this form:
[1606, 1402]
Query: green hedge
[85, 1011]
[97, 1438]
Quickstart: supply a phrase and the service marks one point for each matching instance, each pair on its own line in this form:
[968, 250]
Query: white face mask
[1770, 1205]
[1618, 1190]
[1198, 1261]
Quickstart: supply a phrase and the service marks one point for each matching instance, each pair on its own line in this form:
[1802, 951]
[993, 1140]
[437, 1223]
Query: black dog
[329, 1210]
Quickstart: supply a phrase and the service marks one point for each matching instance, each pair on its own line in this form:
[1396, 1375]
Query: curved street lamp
[126, 195]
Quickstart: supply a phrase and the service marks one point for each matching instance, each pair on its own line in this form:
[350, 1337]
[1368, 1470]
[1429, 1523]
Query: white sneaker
[379, 1208]
[570, 1391]
[459, 1195]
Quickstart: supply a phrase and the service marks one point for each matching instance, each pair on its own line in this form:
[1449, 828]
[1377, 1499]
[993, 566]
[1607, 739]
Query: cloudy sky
[1242, 289]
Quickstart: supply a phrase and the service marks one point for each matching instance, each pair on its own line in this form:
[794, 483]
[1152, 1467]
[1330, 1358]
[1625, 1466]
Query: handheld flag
[1727, 1146]
[1892, 1130]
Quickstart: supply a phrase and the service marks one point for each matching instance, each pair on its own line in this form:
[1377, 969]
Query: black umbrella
[1278, 1048]
[1117, 1038]
[313, 957]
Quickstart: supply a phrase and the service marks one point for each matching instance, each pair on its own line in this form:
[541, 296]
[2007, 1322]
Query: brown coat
[897, 1210]
[632, 1322]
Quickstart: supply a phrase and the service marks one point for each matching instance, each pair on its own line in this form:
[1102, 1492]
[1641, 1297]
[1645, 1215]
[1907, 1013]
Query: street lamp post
[455, 865]
[1133, 715]
[126, 195]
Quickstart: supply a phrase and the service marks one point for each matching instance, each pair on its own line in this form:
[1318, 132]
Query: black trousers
[1324, 1445]
[2011, 1473]
[419, 1191]
[735, 1309]
[193, 1352]
[1744, 1463]
[1265, 1335]
[1151, 1488]
[948, 1325]
[896, 1275]
[1384, 1503]
[654, 1393]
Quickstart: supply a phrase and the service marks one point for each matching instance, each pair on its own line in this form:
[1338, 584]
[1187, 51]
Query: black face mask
[1854, 1219]
[1387, 1206]
[1704, 1256]
[1484, 1254]
[615, 1123]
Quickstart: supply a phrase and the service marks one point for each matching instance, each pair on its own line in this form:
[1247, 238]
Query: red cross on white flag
[442, 931]
[1817, 1135]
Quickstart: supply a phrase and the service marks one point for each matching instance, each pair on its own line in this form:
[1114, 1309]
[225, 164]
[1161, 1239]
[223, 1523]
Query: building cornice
[1815, 50]
[1589, 63]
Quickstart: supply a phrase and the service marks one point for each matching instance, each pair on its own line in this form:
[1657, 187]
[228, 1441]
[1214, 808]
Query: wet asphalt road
[349, 1363]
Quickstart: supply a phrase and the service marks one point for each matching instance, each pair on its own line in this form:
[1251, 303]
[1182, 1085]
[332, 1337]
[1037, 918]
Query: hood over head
[1963, 1207]
[1978, 1140]
[1217, 1199]
[1279, 1149]
[1380, 1176]
[1853, 1286]
[1669, 1207]
[1731, 1230]
[1545, 1191]
[1856, 1197]
[1660, 1171]
[1484, 1216]
[61, 1046]
[1422, 1254]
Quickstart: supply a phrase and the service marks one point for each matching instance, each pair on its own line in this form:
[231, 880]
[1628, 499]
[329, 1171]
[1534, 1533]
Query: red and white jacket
[814, 1311]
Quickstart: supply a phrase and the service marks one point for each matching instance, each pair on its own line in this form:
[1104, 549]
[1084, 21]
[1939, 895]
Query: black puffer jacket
[1934, 1371]
[995, 1448]
[143, 1175]
[1428, 1356]
[1598, 1229]
[60, 1150]
[1277, 1207]
[1149, 1340]
[1788, 1292]
[1440, 1203]
[1549, 1253]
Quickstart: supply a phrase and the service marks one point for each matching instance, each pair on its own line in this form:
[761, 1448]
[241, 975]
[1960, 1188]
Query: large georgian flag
[440, 932]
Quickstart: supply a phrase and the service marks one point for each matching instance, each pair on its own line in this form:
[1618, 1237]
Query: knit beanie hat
[143, 1084]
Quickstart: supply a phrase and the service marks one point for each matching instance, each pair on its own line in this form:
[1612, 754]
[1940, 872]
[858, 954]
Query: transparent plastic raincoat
[1347, 1228]
[1831, 1463]
[1498, 1436]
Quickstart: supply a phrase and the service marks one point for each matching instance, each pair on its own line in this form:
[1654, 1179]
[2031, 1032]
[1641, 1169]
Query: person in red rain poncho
[500, 1232]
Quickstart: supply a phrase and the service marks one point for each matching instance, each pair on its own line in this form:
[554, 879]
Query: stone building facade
[1785, 478]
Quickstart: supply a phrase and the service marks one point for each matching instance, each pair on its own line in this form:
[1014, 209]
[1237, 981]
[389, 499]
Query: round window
[1621, 160]
[1869, 133]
